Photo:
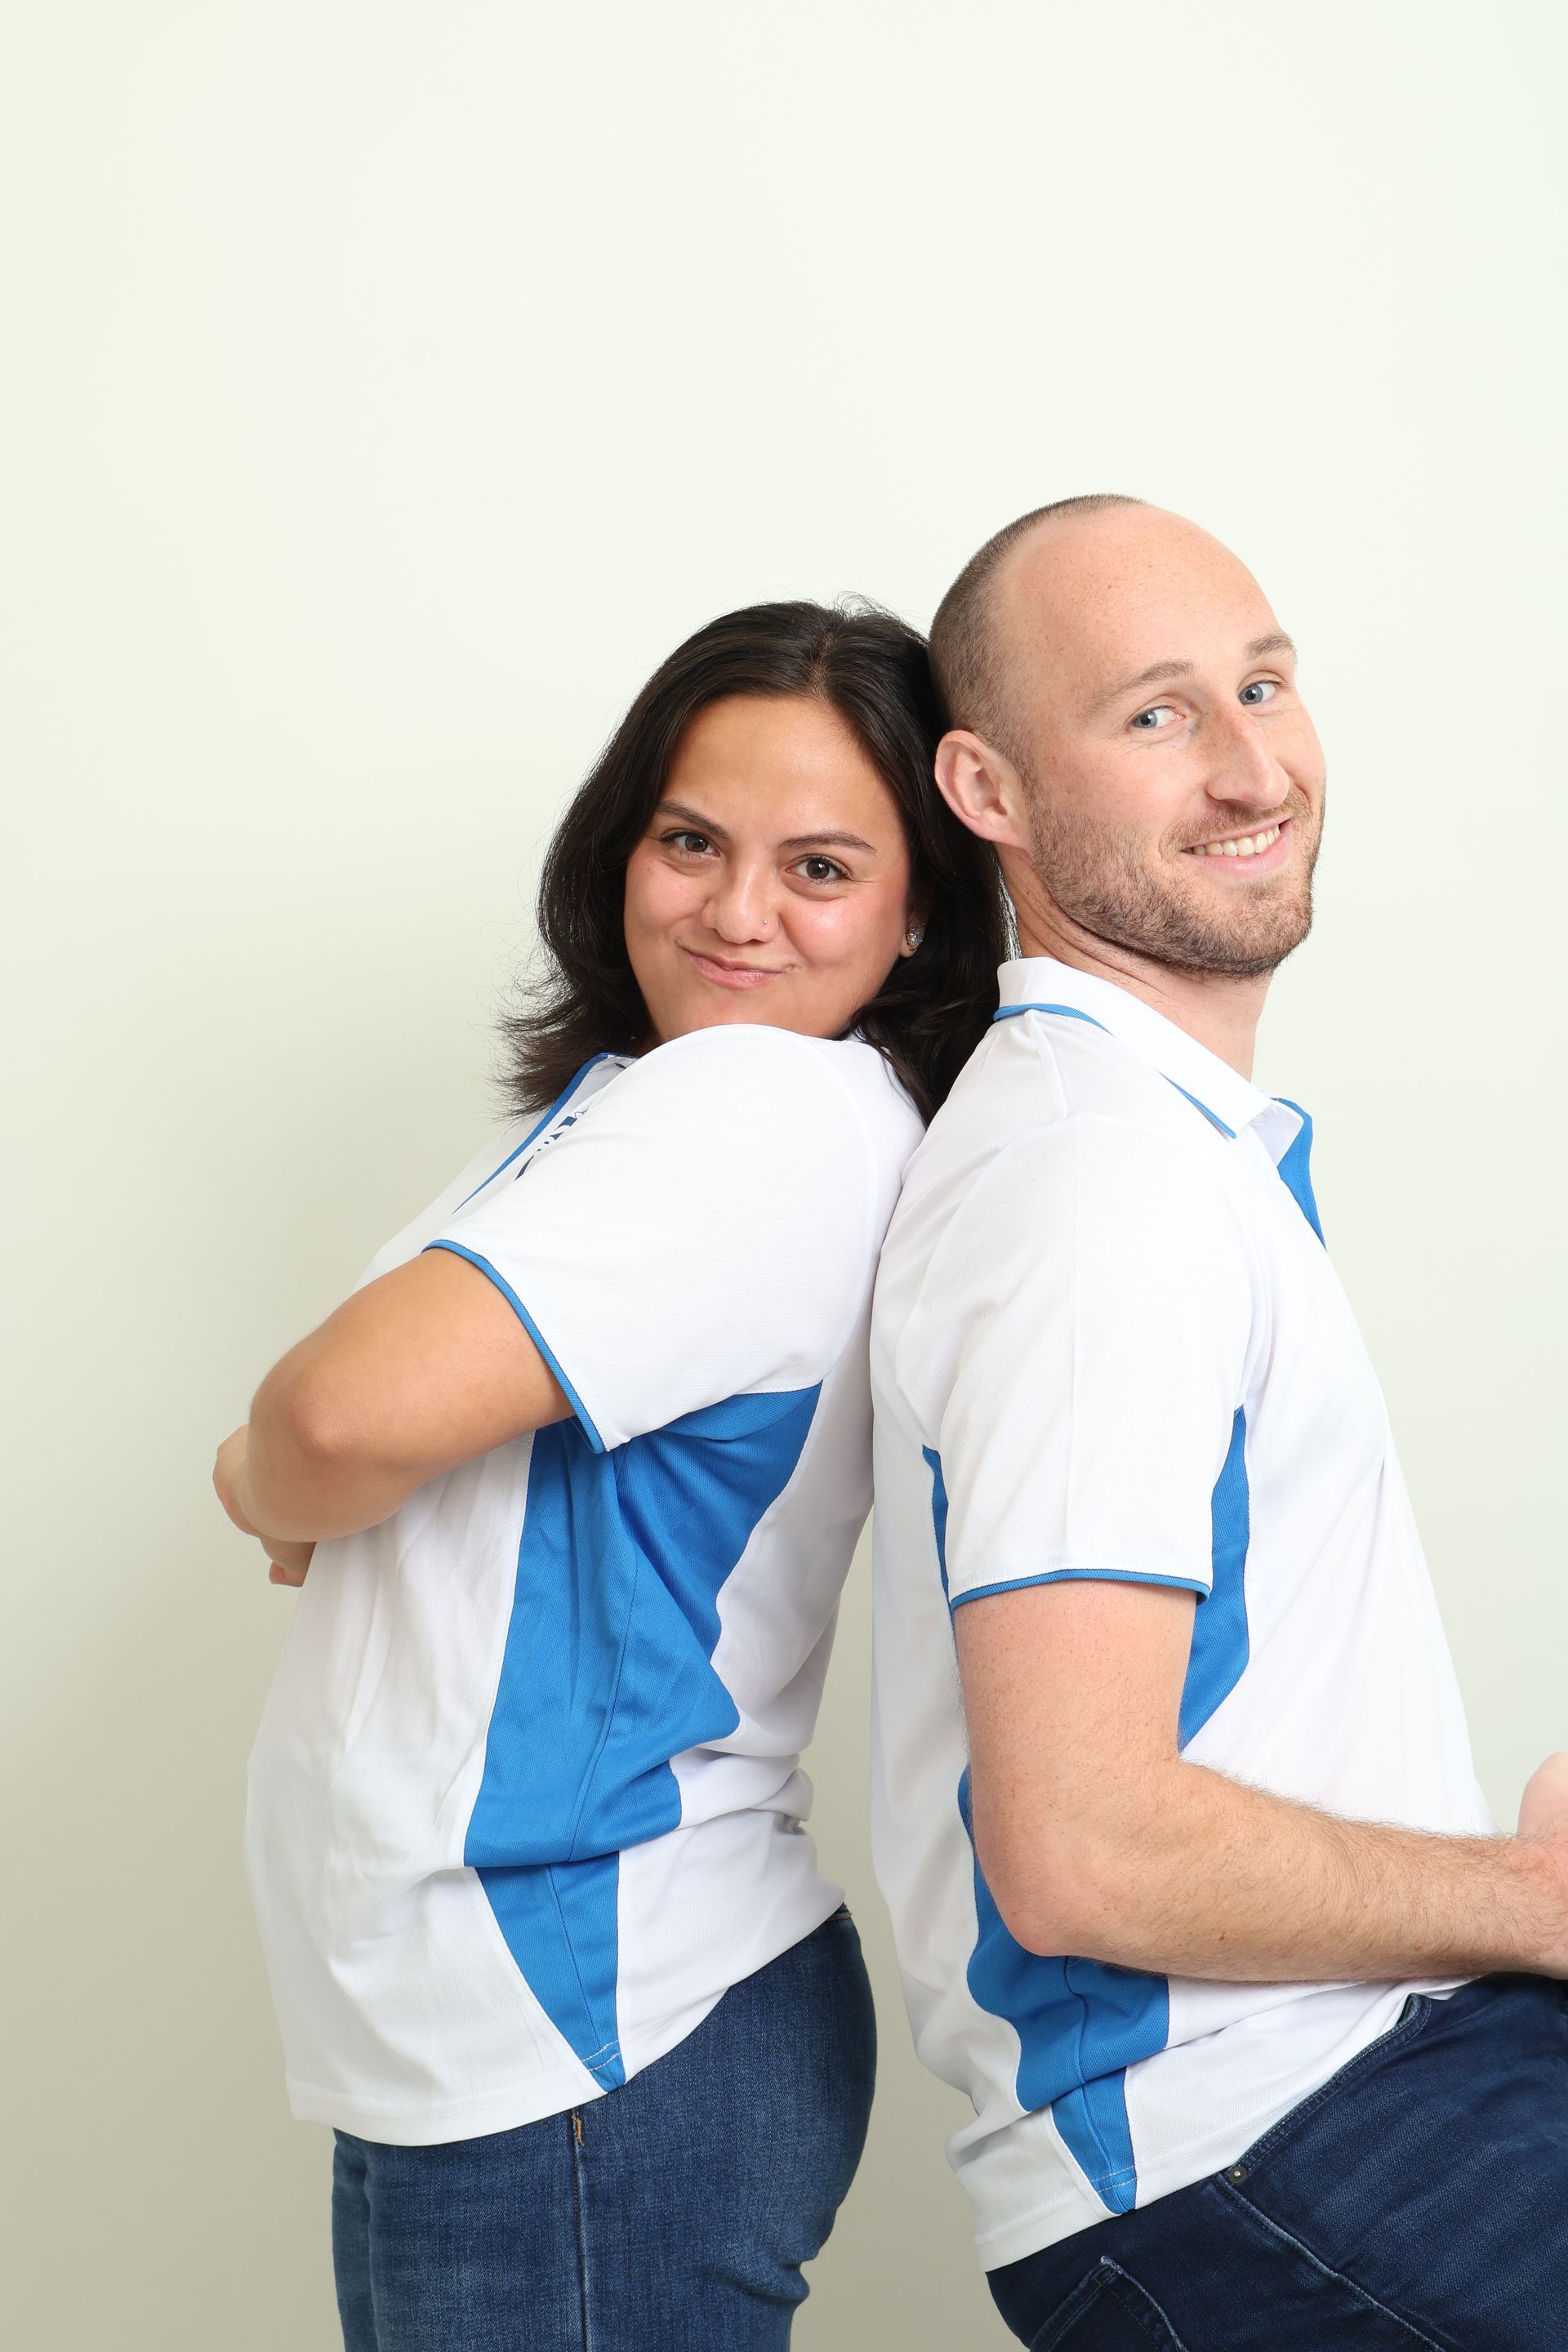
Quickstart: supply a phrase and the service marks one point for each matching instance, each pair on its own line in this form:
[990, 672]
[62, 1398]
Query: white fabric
[1091, 1294]
[527, 1797]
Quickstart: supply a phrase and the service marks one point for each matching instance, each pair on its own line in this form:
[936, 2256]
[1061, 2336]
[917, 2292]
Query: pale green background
[387, 388]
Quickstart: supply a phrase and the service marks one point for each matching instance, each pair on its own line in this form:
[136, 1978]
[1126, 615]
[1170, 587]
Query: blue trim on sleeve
[533, 1331]
[1078, 1576]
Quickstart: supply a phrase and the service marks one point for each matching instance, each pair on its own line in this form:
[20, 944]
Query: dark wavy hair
[871, 669]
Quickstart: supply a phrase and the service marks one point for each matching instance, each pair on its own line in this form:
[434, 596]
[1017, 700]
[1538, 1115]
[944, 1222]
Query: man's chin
[1242, 953]
[1230, 943]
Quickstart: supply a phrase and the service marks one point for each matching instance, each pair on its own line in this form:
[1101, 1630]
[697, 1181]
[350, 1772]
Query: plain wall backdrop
[387, 388]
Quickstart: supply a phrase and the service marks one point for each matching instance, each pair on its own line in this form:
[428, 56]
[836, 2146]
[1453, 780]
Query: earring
[913, 937]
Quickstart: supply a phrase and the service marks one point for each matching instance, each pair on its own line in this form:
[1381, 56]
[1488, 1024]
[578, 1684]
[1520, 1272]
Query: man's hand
[289, 1558]
[1543, 1808]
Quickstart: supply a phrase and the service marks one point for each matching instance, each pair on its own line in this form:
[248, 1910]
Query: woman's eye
[821, 869]
[690, 845]
[1148, 721]
[1262, 690]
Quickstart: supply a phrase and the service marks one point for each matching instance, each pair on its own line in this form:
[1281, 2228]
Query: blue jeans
[1419, 2197]
[672, 2215]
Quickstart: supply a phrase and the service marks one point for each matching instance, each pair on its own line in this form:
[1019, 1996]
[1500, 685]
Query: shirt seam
[1095, 1571]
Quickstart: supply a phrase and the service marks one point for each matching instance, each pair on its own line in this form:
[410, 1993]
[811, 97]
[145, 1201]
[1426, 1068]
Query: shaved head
[963, 650]
[1125, 725]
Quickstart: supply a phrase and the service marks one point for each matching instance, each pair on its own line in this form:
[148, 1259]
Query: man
[1197, 1895]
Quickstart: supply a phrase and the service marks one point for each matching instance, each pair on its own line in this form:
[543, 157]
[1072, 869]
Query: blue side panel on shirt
[559, 1922]
[607, 1674]
[938, 1510]
[1081, 2024]
[1296, 1167]
[1218, 1659]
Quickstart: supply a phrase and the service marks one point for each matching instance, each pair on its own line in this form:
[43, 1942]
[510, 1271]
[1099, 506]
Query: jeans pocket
[1107, 2312]
[1406, 2027]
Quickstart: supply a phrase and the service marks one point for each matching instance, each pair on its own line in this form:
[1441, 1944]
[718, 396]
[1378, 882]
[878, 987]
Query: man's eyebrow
[1157, 674]
[1164, 673]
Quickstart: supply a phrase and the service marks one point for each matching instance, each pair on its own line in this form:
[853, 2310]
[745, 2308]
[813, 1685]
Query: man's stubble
[1097, 879]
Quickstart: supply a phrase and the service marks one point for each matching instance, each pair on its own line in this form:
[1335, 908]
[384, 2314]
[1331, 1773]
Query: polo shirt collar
[1226, 1099]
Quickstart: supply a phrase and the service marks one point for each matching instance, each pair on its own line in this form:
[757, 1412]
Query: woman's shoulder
[743, 1071]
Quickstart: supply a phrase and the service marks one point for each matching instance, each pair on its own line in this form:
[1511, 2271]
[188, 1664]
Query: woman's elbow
[301, 1416]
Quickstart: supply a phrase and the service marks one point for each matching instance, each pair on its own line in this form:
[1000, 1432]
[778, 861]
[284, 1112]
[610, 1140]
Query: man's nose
[741, 905]
[1244, 769]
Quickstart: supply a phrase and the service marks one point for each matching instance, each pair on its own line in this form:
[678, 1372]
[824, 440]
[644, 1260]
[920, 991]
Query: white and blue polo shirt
[527, 1797]
[1109, 1343]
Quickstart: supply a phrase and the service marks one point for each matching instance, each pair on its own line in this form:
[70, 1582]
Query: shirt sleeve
[1077, 1355]
[704, 1232]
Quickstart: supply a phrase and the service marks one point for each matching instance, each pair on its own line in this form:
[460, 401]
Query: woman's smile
[730, 971]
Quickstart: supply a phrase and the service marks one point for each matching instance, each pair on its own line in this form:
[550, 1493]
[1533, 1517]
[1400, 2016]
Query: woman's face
[773, 881]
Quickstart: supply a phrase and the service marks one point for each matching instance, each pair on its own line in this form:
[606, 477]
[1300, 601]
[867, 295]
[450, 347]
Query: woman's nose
[741, 908]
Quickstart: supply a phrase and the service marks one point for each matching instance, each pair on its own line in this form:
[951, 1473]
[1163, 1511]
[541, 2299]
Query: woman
[584, 1460]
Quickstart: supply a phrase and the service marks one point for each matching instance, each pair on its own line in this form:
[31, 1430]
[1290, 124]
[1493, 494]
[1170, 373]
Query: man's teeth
[1251, 844]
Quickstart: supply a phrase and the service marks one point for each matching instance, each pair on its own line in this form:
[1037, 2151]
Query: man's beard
[1095, 877]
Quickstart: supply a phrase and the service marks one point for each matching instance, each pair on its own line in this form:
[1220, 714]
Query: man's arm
[1098, 1840]
[421, 1370]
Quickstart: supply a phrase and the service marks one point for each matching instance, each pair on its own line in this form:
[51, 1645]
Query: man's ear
[982, 789]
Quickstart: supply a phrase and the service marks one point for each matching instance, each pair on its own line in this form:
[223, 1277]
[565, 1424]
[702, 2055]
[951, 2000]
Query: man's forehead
[1131, 595]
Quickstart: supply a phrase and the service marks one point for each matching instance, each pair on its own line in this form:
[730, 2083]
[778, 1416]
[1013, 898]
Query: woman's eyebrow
[692, 817]
[825, 841]
[701, 824]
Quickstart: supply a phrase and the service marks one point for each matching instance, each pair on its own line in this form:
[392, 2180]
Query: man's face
[1173, 782]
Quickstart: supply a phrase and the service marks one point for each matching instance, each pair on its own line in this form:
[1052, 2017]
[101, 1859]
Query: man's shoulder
[1036, 1088]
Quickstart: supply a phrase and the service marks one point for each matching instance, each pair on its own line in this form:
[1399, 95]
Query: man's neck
[1220, 1009]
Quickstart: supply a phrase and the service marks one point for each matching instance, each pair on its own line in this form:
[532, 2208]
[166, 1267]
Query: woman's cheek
[860, 931]
[833, 931]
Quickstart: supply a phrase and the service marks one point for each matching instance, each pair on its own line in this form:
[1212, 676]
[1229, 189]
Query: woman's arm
[288, 1560]
[423, 1369]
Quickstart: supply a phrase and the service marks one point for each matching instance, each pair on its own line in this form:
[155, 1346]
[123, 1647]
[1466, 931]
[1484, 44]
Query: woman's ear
[982, 789]
[915, 917]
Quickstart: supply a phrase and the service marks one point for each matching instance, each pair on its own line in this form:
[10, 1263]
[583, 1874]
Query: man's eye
[822, 869]
[1148, 721]
[1262, 690]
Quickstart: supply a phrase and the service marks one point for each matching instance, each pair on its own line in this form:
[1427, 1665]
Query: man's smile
[1263, 850]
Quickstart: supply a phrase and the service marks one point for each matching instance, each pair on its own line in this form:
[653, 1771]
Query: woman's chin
[760, 1010]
